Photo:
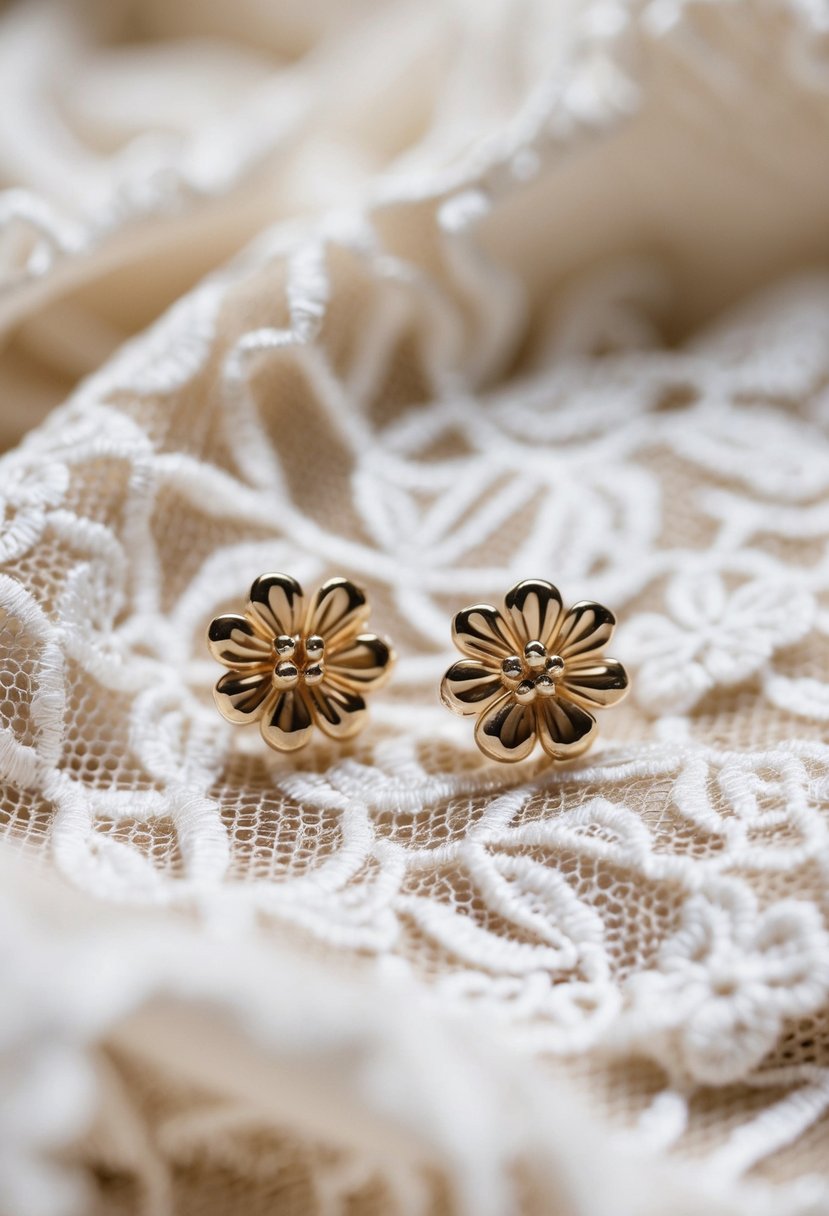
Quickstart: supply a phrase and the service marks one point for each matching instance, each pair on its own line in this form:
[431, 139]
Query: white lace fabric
[392, 976]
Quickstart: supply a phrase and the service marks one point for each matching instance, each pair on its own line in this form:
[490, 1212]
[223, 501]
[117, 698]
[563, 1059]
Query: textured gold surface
[533, 673]
[294, 665]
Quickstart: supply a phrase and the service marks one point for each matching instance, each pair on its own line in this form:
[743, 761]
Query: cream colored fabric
[527, 289]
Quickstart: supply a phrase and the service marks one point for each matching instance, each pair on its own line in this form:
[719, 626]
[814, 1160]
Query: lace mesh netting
[392, 976]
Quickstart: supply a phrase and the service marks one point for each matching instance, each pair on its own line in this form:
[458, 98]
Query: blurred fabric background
[439, 295]
[143, 143]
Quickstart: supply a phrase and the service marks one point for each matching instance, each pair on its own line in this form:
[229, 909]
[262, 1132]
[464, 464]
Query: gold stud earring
[533, 673]
[295, 665]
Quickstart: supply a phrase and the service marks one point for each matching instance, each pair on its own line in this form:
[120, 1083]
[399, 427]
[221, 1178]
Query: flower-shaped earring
[295, 665]
[533, 673]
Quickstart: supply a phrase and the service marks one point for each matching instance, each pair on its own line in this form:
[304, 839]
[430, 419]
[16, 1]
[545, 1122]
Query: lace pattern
[647, 926]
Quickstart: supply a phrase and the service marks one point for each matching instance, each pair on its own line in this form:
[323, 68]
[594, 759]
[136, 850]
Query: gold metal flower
[294, 665]
[533, 673]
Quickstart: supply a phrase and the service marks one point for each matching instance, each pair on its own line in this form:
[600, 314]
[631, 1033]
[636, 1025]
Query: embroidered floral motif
[294, 666]
[28, 491]
[726, 982]
[533, 672]
[709, 638]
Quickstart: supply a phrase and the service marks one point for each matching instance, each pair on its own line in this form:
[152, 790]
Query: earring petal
[339, 609]
[565, 730]
[242, 698]
[595, 684]
[506, 731]
[470, 687]
[287, 725]
[364, 663]
[481, 632]
[534, 610]
[235, 642]
[277, 603]
[338, 714]
[586, 630]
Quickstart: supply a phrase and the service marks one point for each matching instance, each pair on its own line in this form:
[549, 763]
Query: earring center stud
[300, 660]
[533, 672]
